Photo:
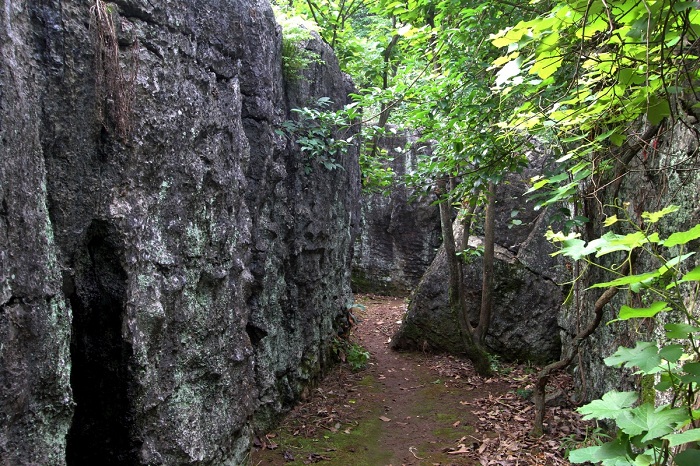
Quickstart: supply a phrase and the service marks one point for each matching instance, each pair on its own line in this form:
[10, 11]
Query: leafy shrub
[649, 434]
[295, 33]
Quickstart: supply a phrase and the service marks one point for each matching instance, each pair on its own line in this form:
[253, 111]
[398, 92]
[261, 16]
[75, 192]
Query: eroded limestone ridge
[169, 275]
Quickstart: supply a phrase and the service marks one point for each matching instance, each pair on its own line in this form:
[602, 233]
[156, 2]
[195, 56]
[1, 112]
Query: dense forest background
[608, 91]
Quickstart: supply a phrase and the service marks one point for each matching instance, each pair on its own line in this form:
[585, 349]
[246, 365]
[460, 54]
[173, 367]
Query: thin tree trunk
[463, 246]
[487, 276]
[473, 350]
[544, 375]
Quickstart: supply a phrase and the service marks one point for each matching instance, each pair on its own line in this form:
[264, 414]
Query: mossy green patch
[357, 445]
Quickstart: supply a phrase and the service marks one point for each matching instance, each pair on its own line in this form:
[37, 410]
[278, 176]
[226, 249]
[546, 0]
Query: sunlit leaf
[683, 237]
[642, 278]
[653, 217]
[610, 220]
[627, 312]
[609, 406]
[645, 356]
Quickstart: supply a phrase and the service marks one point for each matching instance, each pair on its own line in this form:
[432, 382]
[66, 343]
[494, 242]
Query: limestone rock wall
[400, 235]
[170, 277]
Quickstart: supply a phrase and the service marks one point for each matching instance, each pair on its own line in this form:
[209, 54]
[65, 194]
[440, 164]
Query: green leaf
[628, 280]
[683, 237]
[652, 422]
[627, 312]
[610, 221]
[692, 372]
[609, 406]
[674, 262]
[692, 435]
[672, 353]
[645, 356]
[692, 276]
[653, 217]
[680, 330]
[574, 248]
[687, 458]
[657, 111]
[615, 449]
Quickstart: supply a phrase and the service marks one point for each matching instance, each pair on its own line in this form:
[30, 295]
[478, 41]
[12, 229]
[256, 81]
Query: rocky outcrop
[399, 235]
[170, 277]
[527, 298]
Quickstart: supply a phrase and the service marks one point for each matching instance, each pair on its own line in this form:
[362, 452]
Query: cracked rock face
[527, 299]
[170, 276]
[400, 235]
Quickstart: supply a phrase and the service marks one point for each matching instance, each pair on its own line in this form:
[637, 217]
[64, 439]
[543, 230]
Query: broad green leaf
[574, 248]
[692, 276]
[628, 280]
[692, 435]
[546, 66]
[672, 353]
[609, 406]
[680, 330]
[615, 449]
[653, 217]
[687, 458]
[613, 242]
[692, 372]
[667, 381]
[627, 312]
[683, 237]
[645, 356]
[674, 262]
[650, 422]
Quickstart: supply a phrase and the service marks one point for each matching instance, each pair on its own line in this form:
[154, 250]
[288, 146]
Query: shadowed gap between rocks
[100, 376]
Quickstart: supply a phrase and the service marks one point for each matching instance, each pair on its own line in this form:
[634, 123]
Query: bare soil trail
[416, 409]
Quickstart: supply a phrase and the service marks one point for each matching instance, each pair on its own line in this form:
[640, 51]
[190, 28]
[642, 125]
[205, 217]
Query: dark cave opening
[101, 431]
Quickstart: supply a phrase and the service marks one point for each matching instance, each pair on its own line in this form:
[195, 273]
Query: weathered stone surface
[400, 235]
[524, 320]
[162, 293]
[527, 299]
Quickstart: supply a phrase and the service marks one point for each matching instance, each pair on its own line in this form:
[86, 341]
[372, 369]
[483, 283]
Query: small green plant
[295, 33]
[320, 134]
[357, 357]
[593, 436]
[648, 434]
[352, 353]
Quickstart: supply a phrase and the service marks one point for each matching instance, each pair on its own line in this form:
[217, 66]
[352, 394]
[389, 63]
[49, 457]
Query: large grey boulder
[525, 310]
[170, 276]
[527, 295]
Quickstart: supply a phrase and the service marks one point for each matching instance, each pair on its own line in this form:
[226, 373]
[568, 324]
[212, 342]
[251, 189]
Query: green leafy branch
[647, 434]
[322, 135]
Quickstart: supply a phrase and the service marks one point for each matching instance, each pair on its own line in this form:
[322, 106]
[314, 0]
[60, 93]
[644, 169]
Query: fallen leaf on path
[461, 448]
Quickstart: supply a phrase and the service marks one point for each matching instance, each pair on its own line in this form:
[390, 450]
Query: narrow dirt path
[415, 409]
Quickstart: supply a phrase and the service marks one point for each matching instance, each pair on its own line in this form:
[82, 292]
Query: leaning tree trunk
[472, 348]
[487, 277]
